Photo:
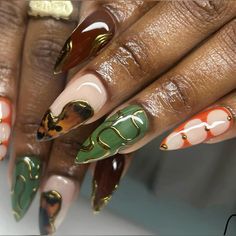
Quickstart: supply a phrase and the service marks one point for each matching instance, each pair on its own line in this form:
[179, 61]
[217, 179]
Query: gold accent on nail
[184, 136]
[207, 128]
[229, 118]
[99, 42]
[164, 146]
[74, 114]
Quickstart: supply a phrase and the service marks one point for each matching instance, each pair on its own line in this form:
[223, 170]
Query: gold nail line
[164, 146]
[100, 41]
[184, 136]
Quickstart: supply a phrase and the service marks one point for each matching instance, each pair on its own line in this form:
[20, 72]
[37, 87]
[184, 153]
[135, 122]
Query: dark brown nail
[106, 179]
[86, 40]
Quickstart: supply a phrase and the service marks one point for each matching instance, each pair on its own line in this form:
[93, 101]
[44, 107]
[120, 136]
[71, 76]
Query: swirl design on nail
[73, 115]
[25, 184]
[50, 206]
[117, 132]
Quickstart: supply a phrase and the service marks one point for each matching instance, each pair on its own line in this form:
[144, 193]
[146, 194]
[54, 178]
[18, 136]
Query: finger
[212, 125]
[131, 62]
[62, 181]
[106, 179]
[199, 80]
[97, 29]
[12, 29]
[43, 41]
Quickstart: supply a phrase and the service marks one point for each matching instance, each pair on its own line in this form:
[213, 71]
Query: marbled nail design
[74, 106]
[56, 198]
[86, 40]
[199, 129]
[26, 180]
[106, 179]
[114, 134]
[5, 125]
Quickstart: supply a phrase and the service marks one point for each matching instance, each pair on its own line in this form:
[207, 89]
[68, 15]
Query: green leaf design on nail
[114, 134]
[26, 179]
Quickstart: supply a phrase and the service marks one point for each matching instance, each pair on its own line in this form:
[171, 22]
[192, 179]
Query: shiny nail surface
[56, 198]
[199, 129]
[86, 40]
[106, 179]
[116, 133]
[5, 125]
[80, 100]
[26, 180]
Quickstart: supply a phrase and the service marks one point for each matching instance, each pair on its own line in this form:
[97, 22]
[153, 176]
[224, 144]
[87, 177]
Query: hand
[39, 40]
[201, 34]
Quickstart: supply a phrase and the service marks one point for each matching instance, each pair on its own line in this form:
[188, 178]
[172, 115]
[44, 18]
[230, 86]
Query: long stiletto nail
[199, 129]
[26, 180]
[122, 129]
[5, 125]
[75, 105]
[56, 198]
[86, 40]
[106, 179]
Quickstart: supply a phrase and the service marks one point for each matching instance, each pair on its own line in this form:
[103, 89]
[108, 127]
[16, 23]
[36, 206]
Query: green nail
[114, 134]
[26, 177]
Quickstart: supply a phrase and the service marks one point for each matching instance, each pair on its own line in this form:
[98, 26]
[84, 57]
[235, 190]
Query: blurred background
[189, 192]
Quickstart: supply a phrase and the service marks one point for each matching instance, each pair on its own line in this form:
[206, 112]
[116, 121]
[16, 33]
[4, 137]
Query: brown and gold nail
[86, 40]
[107, 175]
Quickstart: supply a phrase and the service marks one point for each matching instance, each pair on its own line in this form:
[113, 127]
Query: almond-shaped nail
[57, 196]
[116, 133]
[26, 180]
[106, 179]
[80, 100]
[86, 40]
[5, 125]
[200, 128]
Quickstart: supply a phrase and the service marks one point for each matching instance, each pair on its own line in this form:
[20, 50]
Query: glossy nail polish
[86, 40]
[5, 125]
[26, 180]
[56, 198]
[106, 179]
[199, 129]
[80, 100]
[116, 133]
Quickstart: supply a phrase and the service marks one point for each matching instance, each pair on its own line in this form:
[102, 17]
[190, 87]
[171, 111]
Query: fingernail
[75, 105]
[5, 125]
[86, 40]
[200, 128]
[56, 198]
[106, 179]
[26, 180]
[116, 133]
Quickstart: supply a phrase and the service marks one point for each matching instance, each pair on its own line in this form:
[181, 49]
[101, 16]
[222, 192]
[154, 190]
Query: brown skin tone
[159, 50]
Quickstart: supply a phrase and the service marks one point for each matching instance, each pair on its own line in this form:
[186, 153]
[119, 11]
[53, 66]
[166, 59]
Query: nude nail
[57, 195]
[200, 128]
[5, 125]
[81, 99]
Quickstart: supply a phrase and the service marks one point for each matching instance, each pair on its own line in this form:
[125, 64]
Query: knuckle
[11, 15]
[178, 95]
[227, 40]
[205, 11]
[28, 128]
[134, 56]
[43, 53]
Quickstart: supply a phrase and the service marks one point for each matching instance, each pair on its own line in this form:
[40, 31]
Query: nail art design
[5, 125]
[72, 114]
[106, 179]
[56, 198]
[50, 206]
[86, 40]
[199, 129]
[26, 180]
[74, 106]
[116, 133]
